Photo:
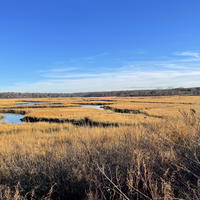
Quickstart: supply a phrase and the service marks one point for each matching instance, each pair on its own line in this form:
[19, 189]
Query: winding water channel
[16, 118]
[99, 107]
[24, 103]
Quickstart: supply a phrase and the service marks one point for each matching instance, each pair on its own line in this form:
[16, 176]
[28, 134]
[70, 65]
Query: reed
[152, 160]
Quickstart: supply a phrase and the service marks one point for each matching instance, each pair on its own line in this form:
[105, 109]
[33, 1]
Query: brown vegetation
[154, 159]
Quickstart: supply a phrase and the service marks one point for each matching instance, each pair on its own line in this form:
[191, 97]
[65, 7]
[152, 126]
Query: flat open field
[100, 148]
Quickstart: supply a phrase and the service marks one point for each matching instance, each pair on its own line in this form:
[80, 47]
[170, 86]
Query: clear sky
[98, 45]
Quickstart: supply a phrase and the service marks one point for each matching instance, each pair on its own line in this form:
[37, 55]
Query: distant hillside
[128, 93]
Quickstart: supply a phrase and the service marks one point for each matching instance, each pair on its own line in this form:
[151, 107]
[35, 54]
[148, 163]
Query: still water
[12, 118]
[99, 107]
[27, 103]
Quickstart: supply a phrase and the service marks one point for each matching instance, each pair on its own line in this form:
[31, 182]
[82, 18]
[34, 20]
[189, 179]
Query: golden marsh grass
[143, 158]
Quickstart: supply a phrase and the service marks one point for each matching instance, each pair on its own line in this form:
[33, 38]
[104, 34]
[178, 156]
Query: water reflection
[12, 118]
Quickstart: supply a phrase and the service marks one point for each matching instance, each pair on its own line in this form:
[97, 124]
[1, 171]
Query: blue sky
[98, 45]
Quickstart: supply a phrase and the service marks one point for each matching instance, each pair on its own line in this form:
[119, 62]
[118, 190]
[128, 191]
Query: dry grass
[101, 116]
[153, 160]
[68, 108]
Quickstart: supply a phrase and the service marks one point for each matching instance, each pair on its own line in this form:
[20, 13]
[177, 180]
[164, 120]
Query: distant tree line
[128, 93]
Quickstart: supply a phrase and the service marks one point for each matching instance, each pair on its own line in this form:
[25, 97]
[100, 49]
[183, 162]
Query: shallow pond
[12, 118]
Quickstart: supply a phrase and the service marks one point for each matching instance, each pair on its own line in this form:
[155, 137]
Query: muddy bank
[128, 111]
[82, 122]
[118, 110]
[11, 111]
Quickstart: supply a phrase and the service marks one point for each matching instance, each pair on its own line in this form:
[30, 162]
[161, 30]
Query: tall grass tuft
[143, 162]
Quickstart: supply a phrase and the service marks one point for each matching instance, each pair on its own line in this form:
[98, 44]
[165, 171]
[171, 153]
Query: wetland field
[99, 148]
